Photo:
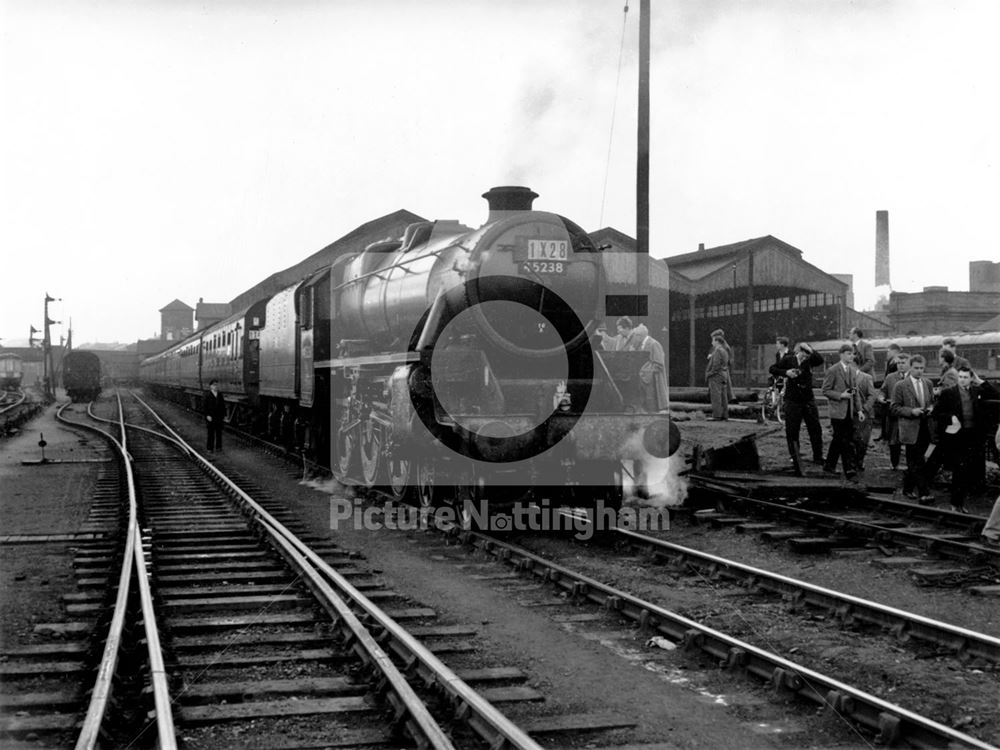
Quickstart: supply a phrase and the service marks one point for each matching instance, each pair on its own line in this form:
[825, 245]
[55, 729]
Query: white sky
[154, 150]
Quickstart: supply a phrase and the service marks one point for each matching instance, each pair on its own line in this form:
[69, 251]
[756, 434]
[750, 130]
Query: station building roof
[176, 305]
[775, 264]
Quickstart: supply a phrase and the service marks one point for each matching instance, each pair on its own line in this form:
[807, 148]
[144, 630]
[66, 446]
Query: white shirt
[918, 386]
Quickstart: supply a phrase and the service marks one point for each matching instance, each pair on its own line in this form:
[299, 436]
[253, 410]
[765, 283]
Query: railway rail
[15, 409]
[854, 523]
[887, 723]
[243, 599]
[10, 399]
[846, 609]
[106, 656]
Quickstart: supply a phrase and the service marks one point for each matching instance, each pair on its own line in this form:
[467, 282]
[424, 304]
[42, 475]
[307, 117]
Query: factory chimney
[882, 248]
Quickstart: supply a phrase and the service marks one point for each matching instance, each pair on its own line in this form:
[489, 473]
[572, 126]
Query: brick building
[937, 310]
[176, 321]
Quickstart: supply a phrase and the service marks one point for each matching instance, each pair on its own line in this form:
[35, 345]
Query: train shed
[754, 290]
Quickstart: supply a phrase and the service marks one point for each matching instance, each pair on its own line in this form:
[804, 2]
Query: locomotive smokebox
[509, 198]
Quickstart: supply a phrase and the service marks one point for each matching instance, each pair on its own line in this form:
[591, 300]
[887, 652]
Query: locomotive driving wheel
[399, 477]
[427, 492]
[372, 451]
[347, 449]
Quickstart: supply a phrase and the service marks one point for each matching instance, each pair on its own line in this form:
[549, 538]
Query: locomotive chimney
[508, 198]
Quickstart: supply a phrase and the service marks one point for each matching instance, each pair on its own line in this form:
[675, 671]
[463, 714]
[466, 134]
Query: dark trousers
[795, 414]
[842, 445]
[718, 391]
[959, 452]
[895, 451]
[916, 474]
[215, 434]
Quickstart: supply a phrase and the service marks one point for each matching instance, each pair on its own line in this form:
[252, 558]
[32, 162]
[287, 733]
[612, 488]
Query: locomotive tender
[81, 375]
[455, 362]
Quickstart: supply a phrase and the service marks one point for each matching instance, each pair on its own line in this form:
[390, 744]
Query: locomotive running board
[372, 359]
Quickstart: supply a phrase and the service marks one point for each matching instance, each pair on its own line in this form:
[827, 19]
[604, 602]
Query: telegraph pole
[47, 363]
[642, 167]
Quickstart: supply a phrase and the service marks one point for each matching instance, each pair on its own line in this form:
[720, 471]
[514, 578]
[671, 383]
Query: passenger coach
[981, 349]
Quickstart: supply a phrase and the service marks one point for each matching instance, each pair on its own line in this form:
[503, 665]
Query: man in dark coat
[892, 422]
[892, 354]
[799, 403]
[215, 415]
[717, 377]
[960, 361]
[962, 417]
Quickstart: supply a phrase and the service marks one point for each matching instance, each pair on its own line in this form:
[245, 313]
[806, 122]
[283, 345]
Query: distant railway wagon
[82, 375]
[11, 372]
[981, 349]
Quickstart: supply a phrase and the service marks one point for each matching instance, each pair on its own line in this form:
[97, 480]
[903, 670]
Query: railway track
[266, 636]
[494, 683]
[843, 609]
[879, 721]
[15, 410]
[86, 688]
[266, 642]
[949, 543]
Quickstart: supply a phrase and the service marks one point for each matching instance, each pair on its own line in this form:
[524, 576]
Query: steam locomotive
[452, 362]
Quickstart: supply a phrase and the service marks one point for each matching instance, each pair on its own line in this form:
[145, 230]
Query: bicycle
[771, 402]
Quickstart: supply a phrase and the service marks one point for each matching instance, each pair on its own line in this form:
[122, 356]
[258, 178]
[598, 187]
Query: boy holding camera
[840, 389]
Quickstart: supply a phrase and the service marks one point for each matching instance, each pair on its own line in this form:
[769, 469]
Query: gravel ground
[41, 500]
[962, 695]
[49, 499]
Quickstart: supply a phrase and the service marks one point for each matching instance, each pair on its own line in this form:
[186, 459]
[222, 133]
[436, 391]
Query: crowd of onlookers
[947, 424]
[931, 424]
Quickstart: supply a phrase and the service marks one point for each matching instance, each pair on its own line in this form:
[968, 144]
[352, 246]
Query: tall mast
[642, 167]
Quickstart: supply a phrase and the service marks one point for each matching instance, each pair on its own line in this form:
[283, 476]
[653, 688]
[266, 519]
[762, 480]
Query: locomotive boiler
[462, 363]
